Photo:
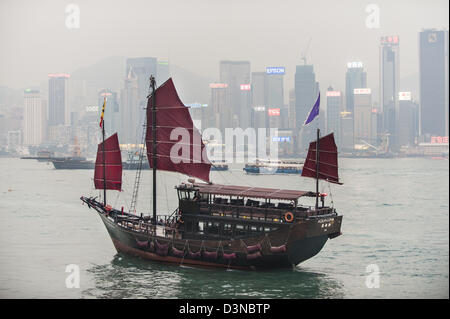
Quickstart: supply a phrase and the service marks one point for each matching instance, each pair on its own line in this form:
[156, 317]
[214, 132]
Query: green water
[395, 217]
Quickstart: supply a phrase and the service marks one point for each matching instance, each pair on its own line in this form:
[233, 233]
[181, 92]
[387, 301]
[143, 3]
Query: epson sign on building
[275, 70]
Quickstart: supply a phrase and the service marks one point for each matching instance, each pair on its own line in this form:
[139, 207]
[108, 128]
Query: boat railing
[251, 212]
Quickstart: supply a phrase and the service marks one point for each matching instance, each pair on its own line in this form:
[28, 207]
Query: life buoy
[288, 217]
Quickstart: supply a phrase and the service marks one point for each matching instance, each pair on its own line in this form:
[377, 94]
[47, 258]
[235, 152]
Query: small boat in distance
[214, 225]
[274, 167]
[219, 166]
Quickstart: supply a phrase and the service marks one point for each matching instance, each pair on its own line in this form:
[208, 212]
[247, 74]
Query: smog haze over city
[197, 34]
[305, 138]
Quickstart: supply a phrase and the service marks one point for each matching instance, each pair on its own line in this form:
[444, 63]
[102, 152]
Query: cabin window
[200, 226]
[184, 195]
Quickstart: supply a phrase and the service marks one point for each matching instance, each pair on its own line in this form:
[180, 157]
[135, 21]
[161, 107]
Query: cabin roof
[253, 192]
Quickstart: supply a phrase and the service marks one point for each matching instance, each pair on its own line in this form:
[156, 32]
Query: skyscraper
[219, 110]
[259, 98]
[389, 86]
[131, 110]
[354, 78]
[142, 68]
[275, 96]
[334, 109]
[408, 120]
[365, 125]
[236, 74]
[162, 72]
[58, 99]
[306, 92]
[434, 103]
[34, 118]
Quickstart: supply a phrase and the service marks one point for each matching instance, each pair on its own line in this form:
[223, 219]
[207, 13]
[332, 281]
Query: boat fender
[254, 248]
[254, 255]
[142, 243]
[279, 249]
[193, 255]
[229, 256]
[210, 254]
[177, 252]
[289, 217]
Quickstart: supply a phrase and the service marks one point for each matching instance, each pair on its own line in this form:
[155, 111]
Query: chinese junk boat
[214, 225]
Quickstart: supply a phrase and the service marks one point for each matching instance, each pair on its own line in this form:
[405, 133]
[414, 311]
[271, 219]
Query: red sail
[113, 165]
[328, 160]
[179, 147]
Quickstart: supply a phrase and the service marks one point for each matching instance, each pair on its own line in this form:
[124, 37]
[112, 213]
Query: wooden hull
[301, 240]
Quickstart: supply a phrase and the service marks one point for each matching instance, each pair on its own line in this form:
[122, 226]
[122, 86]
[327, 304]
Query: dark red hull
[301, 241]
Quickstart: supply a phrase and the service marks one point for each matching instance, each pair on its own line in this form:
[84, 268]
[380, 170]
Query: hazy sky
[197, 34]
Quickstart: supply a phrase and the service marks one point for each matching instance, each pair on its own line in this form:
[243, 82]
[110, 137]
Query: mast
[317, 169]
[104, 162]
[152, 84]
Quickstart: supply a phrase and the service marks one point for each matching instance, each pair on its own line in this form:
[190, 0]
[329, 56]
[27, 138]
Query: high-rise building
[58, 99]
[162, 72]
[355, 77]
[219, 110]
[34, 118]
[433, 68]
[389, 86]
[275, 96]
[365, 128]
[142, 68]
[408, 120]
[236, 74]
[306, 92]
[259, 99]
[347, 141]
[334, 109]
[131, 111]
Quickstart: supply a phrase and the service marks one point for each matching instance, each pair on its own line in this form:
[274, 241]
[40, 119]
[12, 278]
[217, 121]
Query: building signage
[439, 140]
[362, 91]
[404, 96]
[275, 70]
[93, 108]
[274, 112]
[390, 40]
[354, 65]
[218, 85]
[281, 139]
[59, 75]
[333, 93]
[259, 108]
[245, 87]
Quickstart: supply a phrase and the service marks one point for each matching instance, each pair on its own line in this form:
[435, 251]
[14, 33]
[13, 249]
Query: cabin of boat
[212, 211]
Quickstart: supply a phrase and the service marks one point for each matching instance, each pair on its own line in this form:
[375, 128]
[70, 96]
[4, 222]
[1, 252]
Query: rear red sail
[112, 167]
[328, 160]
[179, 146]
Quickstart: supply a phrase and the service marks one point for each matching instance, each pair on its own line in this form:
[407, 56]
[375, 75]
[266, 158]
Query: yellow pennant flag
[103, 111]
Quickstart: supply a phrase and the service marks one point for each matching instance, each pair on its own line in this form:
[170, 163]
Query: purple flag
[314, 111]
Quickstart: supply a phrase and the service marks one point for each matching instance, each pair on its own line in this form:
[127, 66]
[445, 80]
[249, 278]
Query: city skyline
[283, 45]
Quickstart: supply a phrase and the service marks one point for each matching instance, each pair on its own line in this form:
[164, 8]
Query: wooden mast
[152, 84]
[104, 159]
[317, 169]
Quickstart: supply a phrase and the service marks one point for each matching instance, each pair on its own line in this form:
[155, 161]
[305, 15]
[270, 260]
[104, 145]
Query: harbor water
[395, 241]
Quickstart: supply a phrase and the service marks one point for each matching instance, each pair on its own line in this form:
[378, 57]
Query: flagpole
[104, 157]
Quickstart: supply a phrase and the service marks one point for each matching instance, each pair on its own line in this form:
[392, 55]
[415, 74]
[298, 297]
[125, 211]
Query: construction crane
[305, 51]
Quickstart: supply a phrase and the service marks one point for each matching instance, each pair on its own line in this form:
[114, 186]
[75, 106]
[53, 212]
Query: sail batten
[328, 160]
[174, 127]
[109, 160]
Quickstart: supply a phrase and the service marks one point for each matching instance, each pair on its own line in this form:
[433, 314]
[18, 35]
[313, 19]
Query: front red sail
[179, 146]
[112, 167]
[328, 160]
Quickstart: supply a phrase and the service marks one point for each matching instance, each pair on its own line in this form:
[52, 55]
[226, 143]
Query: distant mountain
[110, 73]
